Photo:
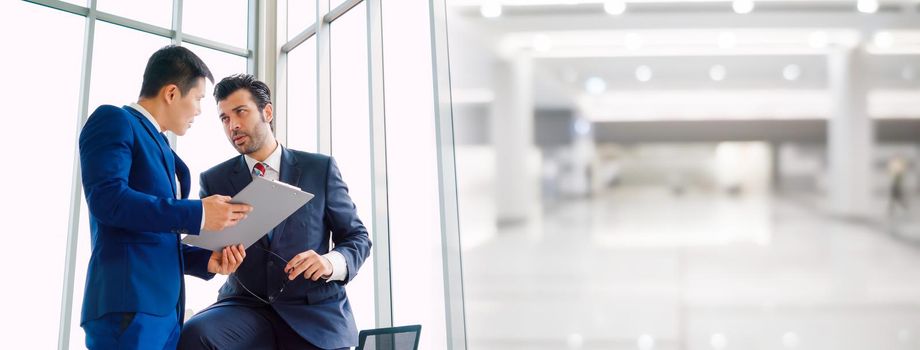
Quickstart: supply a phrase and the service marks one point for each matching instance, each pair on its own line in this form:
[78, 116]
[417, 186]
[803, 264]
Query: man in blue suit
[134, 292]
[290, 291]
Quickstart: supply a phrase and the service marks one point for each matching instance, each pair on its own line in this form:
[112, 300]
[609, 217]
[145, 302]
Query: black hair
[173, 65]
[259, 91]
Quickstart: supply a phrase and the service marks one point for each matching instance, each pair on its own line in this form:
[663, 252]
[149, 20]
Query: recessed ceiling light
[867, 6]
[743, 6]
[491, 10]
[792, 72]
[595, 85]
[717, 72]
[615, 8]
[643, 73]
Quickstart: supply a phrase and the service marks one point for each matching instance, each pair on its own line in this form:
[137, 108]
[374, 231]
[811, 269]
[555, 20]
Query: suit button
[271, 263]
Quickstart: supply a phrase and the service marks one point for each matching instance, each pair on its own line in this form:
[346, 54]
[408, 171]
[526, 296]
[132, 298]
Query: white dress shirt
[156, 125]
[273, 172]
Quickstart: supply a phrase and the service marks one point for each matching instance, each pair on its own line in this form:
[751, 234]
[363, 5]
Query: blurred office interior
[665, 174]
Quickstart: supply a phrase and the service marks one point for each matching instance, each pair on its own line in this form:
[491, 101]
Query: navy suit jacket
[137, 261]
[318, 311]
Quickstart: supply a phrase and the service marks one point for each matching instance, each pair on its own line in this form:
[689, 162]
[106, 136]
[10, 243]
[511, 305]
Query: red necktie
[258, 170]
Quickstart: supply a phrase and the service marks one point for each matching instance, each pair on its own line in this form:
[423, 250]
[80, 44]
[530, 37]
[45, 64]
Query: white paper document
[272, 202]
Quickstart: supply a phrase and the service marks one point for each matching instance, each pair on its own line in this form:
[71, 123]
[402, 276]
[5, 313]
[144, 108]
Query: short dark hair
[259, 91]
[173, 65]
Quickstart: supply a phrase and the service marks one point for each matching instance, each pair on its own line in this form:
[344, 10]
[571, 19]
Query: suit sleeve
[106, 153]
[348, 232]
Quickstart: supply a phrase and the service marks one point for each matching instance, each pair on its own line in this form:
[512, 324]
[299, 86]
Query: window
[416, 261]
[301, 14]
[224, 21]
[119, 58]
[41, 128]
[301, 97]
[156, 12]
[351, 138]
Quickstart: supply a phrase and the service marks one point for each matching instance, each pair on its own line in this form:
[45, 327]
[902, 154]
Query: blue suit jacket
[137, 261]
[318, 311]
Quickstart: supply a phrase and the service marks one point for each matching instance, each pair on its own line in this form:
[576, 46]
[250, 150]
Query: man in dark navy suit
[289, 293]
[134, 295]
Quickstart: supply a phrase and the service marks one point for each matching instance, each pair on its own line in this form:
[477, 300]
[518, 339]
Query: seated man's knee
[195, 335]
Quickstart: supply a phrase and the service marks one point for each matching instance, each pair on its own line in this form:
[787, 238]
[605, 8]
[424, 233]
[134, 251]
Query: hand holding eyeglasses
[310, 264]
[227, 260]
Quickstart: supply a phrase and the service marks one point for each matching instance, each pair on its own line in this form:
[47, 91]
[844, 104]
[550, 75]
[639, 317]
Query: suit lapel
[165, 152]
[241, 177]
[183, 175]
[290, 174]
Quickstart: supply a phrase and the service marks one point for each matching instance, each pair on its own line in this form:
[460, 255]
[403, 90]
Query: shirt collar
[147, 114]
[273, 161]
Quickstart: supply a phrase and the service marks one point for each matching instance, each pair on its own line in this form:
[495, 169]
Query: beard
[252, 145]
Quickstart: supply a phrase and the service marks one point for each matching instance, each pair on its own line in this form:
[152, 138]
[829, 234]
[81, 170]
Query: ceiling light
[792, 72]
[595, 85]
[717, 72]
[615, 8]
[491, 10]
[644, 73]
[743, 6]
[867, 6]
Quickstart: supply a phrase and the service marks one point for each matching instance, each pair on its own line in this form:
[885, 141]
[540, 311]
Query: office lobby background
[535, 174]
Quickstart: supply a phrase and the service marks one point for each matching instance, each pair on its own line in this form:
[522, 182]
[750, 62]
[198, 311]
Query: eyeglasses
[274, 259]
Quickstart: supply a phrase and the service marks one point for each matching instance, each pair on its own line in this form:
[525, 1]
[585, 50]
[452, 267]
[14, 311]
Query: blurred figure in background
[896, 200]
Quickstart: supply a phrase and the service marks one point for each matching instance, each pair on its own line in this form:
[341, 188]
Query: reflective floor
[644, 269]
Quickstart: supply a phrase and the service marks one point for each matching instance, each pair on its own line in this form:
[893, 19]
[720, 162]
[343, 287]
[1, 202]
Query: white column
[512, 120]
[850, 138]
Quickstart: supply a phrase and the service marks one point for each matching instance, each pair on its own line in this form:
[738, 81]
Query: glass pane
[301, 14]
[119, 57]
[224, 21]
[156, 12]
[204, 146]
[350, 141]
[41, 128]
[412, 174]
[301, 97]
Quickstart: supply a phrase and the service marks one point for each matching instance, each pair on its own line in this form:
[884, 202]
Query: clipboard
[272, 202]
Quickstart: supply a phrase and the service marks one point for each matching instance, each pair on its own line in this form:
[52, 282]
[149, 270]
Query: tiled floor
[642, 269]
